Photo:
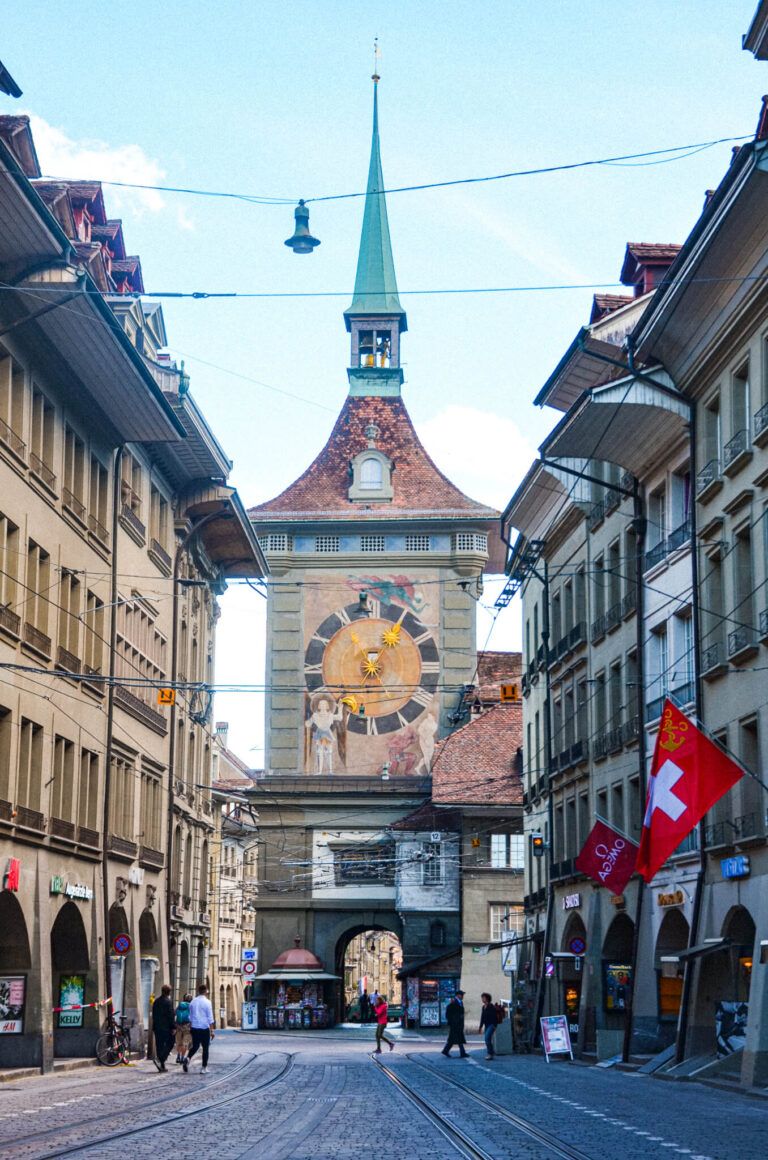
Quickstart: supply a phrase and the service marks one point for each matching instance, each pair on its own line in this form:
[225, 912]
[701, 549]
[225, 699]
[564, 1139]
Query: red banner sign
[608, 857]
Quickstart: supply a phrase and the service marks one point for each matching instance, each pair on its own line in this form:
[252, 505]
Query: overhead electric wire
[266, 199]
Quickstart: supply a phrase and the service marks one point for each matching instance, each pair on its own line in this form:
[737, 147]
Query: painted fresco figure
[427, 730]
[323, 721]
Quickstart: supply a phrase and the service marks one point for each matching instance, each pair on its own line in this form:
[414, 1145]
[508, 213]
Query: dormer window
[371, 474]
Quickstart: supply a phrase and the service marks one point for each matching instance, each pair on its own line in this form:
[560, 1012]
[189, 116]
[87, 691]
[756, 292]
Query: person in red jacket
[381, 1010]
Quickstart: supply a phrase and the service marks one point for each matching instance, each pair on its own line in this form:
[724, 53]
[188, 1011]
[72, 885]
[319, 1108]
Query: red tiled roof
[420, 488]
[495, 669]
[428, 817]
[130, 268]
[640, 254]
[478, 762]
[603, 304]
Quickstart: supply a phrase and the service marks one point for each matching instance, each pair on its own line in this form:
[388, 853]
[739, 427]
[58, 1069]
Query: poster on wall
[71, 994]
[12, 989]
[616, 980]
[430, 1015]
[731, 1027]
[412, 997]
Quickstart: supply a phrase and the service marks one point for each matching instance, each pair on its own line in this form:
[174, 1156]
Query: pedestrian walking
[163, 1026]
[488, 1022]
[365, 1007]
[183, 1028]
[382, 1010]
[454, 1014]
[201, 1026]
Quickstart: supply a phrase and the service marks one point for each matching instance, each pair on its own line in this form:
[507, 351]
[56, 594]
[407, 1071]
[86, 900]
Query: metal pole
[690, 966]
[640, 524]
[550, 807]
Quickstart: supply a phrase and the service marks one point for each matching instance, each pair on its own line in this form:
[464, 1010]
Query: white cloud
[481, 452]
[90, 160]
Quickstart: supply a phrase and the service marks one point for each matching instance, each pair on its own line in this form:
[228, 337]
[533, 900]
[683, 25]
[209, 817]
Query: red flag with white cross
[688, 775]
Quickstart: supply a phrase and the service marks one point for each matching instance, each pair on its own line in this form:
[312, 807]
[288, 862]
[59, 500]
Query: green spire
[375, 282]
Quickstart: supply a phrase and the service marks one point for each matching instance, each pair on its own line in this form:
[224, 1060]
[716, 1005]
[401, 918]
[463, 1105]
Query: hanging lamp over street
[302, 241]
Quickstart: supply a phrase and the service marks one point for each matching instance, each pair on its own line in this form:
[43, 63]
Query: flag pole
[640, 524]
[690, 966]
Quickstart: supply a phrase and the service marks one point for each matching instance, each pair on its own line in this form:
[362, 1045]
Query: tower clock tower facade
[376, 561]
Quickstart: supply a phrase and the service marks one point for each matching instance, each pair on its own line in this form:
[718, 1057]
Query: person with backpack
[488, 1021]
[183, 1028]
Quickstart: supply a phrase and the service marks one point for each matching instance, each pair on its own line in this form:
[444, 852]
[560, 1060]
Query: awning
[708, 947]
[543, 492]
[628, 422]
[228, 536]
[294, 977]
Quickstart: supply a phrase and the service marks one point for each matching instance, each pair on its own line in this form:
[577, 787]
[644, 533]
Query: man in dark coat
[454, 1014]
[163, 1026]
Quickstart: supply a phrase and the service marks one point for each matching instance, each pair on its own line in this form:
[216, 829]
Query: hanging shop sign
[71, 889]
[71, 994]
[13, 874]
[571, 901]
[736, 867]
[673, 898]
[12, 990]
[619, 901]
[549, 968]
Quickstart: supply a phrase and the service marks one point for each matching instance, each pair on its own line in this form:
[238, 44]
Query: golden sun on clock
[376, 662]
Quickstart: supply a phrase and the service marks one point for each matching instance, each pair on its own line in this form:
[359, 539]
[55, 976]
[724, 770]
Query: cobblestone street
[322, 1097]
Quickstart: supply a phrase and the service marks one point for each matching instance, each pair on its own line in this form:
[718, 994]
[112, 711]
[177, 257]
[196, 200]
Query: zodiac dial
[386, 662]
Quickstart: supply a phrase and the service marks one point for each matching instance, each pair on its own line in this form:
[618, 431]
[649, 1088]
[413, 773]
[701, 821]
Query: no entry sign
[248, 967]
[121, 944]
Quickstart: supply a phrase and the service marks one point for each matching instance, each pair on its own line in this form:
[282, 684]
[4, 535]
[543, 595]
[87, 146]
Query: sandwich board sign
[555, 1036]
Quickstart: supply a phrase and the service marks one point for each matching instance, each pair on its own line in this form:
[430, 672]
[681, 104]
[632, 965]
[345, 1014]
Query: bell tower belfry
[375, 318]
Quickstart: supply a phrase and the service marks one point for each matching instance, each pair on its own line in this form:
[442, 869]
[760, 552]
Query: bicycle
[113, 1046]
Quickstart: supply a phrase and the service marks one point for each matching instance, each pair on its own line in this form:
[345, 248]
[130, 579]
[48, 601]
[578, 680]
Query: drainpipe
[172, 721]
[116, 480]
[550, 806]
[640, 524]
[691, 966]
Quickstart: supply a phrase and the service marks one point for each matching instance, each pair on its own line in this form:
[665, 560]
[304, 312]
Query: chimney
[221, 730]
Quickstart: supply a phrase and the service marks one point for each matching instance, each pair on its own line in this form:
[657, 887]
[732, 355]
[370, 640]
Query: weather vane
[376, 58]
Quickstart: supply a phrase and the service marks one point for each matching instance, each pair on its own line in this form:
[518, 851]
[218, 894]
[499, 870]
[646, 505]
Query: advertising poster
[412, 997]
[71, 992]
[555, 1037]
[12, 989]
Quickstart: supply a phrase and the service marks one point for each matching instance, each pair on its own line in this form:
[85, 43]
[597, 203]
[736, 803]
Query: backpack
[500, 1012]
[182, 1013]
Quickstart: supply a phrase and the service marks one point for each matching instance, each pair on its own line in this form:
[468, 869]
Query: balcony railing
[564, 869]
[563, 646]
[157, 549]
[122, 846]
[712, 657]
[87, 837]
[656, 554]
[97, 529]
[73, 504]
[598, 627]
[600, 745]
[613, 616]
[37, 639]
[630, 730]
[708, 475]
[684, 693]
[6, 811]
[67, 660]
[541, 656]
[525, 685]
[32, 819]
[579, 752]
[740, 640]
[653, 708]
[612, 500]
[734, 448]
[764, 624]
[596, 514]
[132, 521]
[680, 537]
[732, 830]
[761, 421]
[41, 470]
[59, 828]
[11, 439]
[10, 620]
[614, 739]
[578, 634]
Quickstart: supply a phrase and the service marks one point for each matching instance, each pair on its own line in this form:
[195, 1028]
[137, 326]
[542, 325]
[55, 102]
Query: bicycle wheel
[110, 1049]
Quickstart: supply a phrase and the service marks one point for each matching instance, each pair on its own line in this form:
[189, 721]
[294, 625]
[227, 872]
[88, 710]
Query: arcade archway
[617, 970]
[368, 960]
[671, 939]
[74, 1030]
[572, 947]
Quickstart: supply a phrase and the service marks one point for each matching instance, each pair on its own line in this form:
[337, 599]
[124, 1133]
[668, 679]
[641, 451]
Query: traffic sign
[166, 696]
[121, 944]
[249, 967]
[577, 946]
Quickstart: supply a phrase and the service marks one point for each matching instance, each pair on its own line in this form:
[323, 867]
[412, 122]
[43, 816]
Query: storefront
[296, 992]
[429, 988]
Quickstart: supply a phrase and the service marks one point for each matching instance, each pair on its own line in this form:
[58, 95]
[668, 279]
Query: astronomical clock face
[371, 674]
[386, 662]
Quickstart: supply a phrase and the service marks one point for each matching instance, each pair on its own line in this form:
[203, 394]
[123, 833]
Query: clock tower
[376, 561]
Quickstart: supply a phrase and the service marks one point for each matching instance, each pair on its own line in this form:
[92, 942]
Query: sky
[273, 100]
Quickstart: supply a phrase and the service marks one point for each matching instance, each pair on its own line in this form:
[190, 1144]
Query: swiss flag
[608, 857]
[688, 775]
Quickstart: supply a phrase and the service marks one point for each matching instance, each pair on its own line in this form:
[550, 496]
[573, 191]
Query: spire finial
[376, 58]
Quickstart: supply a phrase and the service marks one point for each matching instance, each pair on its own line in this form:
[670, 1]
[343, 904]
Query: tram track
[11, 1148]
[461, 1140]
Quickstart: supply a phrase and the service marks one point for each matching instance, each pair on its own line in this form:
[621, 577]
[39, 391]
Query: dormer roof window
[371, 472]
